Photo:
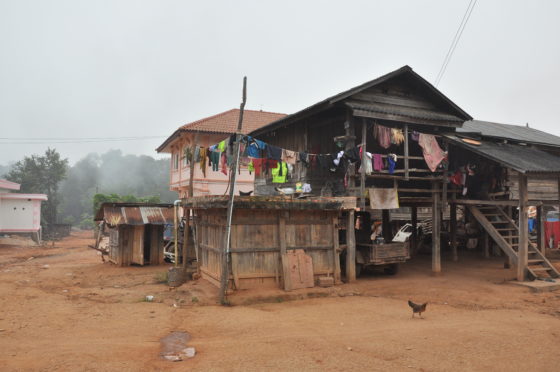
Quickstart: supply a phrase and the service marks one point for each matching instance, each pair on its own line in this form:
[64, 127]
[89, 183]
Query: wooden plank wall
[255, 244]
[539, 187]
[156, 244]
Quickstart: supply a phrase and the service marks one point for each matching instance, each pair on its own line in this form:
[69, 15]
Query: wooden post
[186, 228]
[436, 228]
[523, 248]
[363, 169]
[229, 216]
[336, 254]
[508, 262]
[283, 252]
[406, 152]
[350, 247]
[486, 244]
[350, 144]
[541, 238]
[191, 175]
[386, 226]
[453, 232]
[414, 235]
[445, 180]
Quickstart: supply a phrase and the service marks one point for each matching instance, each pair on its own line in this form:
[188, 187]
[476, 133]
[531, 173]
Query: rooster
[417, 308]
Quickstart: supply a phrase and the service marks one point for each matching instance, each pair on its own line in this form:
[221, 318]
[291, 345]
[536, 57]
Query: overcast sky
[142, 68]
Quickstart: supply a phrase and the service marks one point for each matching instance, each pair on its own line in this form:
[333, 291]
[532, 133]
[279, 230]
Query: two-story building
[205, 133]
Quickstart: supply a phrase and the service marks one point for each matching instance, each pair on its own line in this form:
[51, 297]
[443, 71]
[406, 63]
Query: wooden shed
[273, 239]
[135, 231]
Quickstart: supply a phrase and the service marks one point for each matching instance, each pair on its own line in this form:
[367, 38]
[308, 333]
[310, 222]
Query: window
[184, 154]
[175, 161]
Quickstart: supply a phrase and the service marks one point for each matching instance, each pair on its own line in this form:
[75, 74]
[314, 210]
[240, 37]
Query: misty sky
[141, 68]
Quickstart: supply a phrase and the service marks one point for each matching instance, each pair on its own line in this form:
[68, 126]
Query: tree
[41, 174]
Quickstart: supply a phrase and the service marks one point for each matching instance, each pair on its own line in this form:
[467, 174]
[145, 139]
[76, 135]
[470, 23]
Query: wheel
[392, 269]
[359, 268]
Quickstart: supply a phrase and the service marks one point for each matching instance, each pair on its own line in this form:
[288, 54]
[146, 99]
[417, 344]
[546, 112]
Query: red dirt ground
[65, 310]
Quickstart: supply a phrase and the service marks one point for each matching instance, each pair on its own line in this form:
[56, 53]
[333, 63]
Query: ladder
[505, 232]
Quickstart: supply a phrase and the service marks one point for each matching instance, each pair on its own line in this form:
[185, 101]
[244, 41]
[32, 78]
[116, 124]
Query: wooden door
[138, 245]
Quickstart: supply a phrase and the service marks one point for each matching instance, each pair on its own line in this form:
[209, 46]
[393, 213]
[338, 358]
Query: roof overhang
[10, 195]
[9, 185]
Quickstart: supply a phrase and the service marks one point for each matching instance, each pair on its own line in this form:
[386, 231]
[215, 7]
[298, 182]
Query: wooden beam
[336, 252]
[186, 215]
[484, 202]
[283, 252]
[436, 228]
[523, 248]
[363, 168]
[486, 244]
[453, 232]
[351, 247]
[386, 225]
[406, 174]
[414, 235]
[350, 144]
[541, 222]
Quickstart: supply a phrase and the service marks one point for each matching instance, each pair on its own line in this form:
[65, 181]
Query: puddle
[174, 346]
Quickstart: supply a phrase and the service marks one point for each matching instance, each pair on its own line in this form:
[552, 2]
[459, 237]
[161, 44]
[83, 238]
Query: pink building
[20, 213]
[208, 132]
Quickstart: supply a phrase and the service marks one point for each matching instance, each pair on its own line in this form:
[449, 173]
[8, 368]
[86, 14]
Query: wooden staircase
[505, 232]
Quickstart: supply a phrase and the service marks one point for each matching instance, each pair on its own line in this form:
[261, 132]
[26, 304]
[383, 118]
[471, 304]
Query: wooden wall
[539, 187]
[255, 244]
[124, 239]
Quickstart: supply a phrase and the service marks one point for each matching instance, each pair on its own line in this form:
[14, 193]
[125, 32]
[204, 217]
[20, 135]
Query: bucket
[175, 276]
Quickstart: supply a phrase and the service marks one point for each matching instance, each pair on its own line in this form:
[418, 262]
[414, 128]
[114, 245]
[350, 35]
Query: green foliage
[41, 174]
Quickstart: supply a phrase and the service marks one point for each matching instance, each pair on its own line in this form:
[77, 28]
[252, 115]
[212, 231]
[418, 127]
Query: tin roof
[517, 133]
[522, 158]
[135, 214]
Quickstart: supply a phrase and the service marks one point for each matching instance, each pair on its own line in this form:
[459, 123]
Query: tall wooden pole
[414, 235]
[406, 152]
[436, 228]
[453, 232]
[541, 221]
[523, 248]
[363, 169]
[233, 175]
[350, 247]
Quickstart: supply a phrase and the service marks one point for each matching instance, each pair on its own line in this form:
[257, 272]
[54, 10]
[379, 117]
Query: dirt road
[65, 310]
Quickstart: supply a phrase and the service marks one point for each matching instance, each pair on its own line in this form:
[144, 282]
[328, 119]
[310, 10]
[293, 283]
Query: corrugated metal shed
[515, 133]
[135, 214]
[524, 159]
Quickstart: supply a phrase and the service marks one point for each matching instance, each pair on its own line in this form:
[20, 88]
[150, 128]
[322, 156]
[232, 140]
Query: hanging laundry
[273, 152]
[258, 165]
[303, 158]
[353, 154]
[223, 162]
[289, 156]
[457, 178]
[255, 147]
[392, 160]
[215, 160]
[383, 135]
[414, 136]
[366, 164]
[203, 155]
[383, 198]
[187, 153]
[313, 161]
[196, 155]
[433, 154]
[339, 155]
[222, 146]
[279, 174]
[397, 136]
[377, 162]
[251, 167]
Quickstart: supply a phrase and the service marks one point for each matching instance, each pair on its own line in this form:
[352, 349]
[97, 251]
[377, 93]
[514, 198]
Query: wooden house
[135, 231]
[521, 165]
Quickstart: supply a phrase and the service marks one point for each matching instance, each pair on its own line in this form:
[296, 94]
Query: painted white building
[19, 213]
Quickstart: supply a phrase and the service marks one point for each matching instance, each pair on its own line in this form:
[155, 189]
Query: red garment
[457, 178]
[433, 154]
[258, 163]
[224, 163]
[552, 229]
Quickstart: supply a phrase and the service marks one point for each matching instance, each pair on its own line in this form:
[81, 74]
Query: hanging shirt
[280, 173]
[203, 160]
[433, 154]
[222, 146]
[255, 147]
[377, 162]
[289, 156]
[383, 135]
[274, 152]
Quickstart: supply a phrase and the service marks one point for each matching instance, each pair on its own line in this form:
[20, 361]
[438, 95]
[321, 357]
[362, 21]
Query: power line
[61, 140]
[455, 40]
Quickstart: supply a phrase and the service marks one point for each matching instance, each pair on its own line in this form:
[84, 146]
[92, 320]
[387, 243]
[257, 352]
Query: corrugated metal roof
[516, 133]
[135, 214]
[524, 159]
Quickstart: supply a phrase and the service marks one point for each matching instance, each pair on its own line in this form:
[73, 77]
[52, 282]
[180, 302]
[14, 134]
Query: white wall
[20, 215]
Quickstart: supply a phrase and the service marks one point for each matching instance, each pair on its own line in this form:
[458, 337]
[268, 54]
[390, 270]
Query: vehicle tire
[359, 268]
[392, 269]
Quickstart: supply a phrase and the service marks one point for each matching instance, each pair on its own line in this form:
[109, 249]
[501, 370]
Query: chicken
[417, 308]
